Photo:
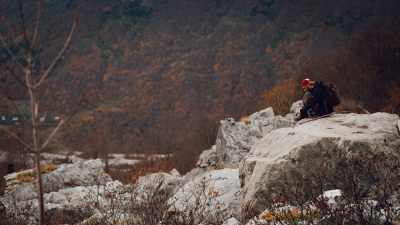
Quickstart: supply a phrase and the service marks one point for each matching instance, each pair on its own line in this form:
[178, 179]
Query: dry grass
[30, 175]
[281, 97]
[246, 120]
[150, 166]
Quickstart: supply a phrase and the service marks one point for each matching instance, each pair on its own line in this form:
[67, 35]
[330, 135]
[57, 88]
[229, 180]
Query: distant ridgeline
[16, 119]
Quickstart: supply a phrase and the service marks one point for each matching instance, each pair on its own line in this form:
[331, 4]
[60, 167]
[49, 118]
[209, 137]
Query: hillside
[159, 75]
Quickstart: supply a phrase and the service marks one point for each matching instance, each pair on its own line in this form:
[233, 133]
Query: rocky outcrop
[20, 195]
[208, 158]
[156, 183]
[235, 139]
[95, 201]
[83, 193]
[303, 147]
[81, 173]
[216, 194]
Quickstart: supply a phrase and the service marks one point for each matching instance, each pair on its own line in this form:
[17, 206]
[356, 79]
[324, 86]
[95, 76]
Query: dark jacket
[316, 105]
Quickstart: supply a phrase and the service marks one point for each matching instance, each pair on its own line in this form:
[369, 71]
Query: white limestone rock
[296, 105]
[215, 193]
[90, 197]
[82, 173]
[300, 147]
[196, 172]
[21, 195]
[109, 202]
[208, 158]
[175, 172]
[235, 139]
[268, 112]
[231, 221]
[156, 183]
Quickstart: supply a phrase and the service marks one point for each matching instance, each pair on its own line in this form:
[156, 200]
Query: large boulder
[235, 139]
[83, 202]
[208, 158]
[96, 199]
[20, 195]
[216, 194]
[22, 184]
[157, 184]
[303, 147]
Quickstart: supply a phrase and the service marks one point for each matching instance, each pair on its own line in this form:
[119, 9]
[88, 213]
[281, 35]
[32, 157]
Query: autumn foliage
[281, 97]
[366, 71]
[155, 83]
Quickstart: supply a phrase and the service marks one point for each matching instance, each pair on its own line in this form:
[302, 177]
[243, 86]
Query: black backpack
[332, 97]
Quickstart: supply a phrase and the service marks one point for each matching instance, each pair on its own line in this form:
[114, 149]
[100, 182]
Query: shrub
[369, 182]
[281, 97]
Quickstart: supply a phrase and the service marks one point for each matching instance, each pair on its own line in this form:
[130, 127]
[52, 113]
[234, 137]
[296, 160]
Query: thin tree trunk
[39, 187]
[35, 139]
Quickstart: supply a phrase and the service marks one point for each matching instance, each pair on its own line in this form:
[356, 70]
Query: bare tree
[24, 67]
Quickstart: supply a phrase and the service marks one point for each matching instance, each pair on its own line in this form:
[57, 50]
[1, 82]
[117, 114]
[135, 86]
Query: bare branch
[12, 73]
[4, 43]
[22, 25]
[51, 136]
[36, 32]
[8, 97]
[67, 41]
[29, 148]
[62, 121]
[5, 25]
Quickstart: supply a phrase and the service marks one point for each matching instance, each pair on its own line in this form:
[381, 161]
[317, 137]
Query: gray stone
[175, 172]
[235, 139]
[208, 158]
[296, 105]
[21, 195]
[231, 221]
[268, 112]
[300, 147]
[156, 183]
[216, 194]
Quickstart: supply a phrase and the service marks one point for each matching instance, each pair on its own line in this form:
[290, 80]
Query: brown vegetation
[246, 120]
[21, 61]
[368, 181]
[281, 97]
[366, 71]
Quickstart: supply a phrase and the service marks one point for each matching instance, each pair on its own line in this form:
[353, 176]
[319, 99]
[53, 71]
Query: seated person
[314, 100]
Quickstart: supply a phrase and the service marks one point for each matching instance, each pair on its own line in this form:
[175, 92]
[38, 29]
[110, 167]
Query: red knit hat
[305, 82]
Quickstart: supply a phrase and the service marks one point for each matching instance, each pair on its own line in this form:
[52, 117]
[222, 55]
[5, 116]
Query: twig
[23, 29]
[12, 103]
[44, 145]
[36, 32]
[53, 63]
[12, 72]
[18, 139]
[4, 43]
[62, 121]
